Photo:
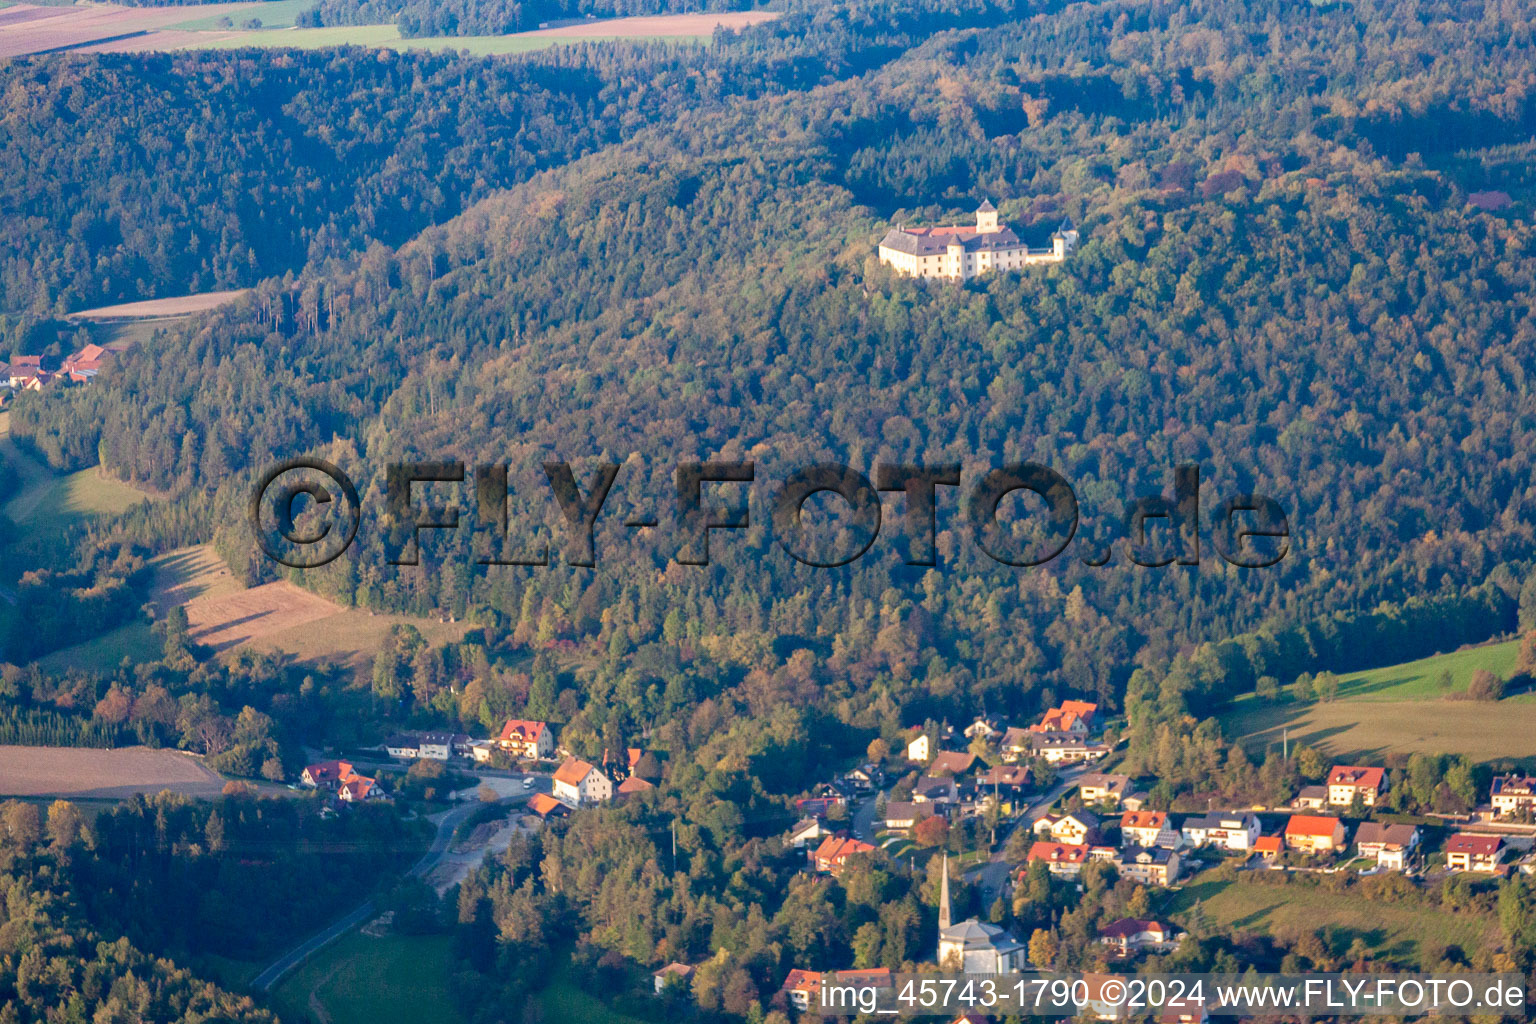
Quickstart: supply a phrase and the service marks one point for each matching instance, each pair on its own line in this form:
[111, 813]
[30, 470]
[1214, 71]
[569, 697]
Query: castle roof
[935, 241]
[986, 207]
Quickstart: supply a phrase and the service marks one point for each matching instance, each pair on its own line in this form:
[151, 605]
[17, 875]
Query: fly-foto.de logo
[306, 512]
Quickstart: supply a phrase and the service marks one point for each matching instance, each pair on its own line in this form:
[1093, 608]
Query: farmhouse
[1390, 845]
[580, 784]
[958, 252]
[1345, 782]
[1313, 833]
[530, 741]
[1466, 852]
[1514, 795]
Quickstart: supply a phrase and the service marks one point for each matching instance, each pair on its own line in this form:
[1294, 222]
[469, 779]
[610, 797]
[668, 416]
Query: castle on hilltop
[959, 251]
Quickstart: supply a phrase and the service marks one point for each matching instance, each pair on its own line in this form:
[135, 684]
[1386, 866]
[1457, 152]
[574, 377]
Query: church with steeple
[962, 251]
[973, 946]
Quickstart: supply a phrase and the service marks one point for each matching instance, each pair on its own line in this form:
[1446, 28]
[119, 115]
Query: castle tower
[986, 217]
[944, 921]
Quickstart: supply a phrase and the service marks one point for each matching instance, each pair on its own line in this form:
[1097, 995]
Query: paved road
[993, 875]
[267, 979]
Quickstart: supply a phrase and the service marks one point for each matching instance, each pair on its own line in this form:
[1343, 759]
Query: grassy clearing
[1399, 932]
[396, 979]
[1398, 708]
[567, 1000]
[103, 654]
[273, 14]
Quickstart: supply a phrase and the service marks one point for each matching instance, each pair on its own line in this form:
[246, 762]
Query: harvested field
[228, 620]
[102, 774]
[29, 28]
[180, 305]
[166, 39]
[657, 25]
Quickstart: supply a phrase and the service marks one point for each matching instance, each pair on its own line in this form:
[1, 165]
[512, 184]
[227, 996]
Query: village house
[1313, 833]
[1148, 866]
[901, 815]
[26, 373]
[1467, 852]
[527, 740]
[1131, 935]
[1071, 716]
[82, 366]
[1076, 827]
[802, 989]
[1062, 747]
[1514, 795]
[951, 763]
[931, 790]
[834, 852]
[959, 252]
[674, 974]
[580, 784]
[429, 746]
[1065, 860]
[359, 788]
[807, 831]
[342, 779]
[1345, 782]
[1187, 1010]
[1148, 828]
[983, 727]
[1389, 845]
[1311, 798]
[1227, 830]
[1100, 788]
[326, 774]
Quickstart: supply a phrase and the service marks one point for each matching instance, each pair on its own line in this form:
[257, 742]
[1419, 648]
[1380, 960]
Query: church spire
[944, 897]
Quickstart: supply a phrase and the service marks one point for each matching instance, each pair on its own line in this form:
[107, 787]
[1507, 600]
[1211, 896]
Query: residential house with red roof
[526, 739]
[834, 852]
[1315, 833]
[1064, 860]
[1132, 935]
[580, 784]
[1467, 852]
[1345, 782]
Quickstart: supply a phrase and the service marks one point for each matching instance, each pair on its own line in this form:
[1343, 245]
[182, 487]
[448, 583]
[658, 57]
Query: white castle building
[960, 251]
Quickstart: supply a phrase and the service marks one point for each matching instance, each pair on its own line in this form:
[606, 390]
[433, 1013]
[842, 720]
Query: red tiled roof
[1477, 846]
[573, 771]
[1351, 775]
[1268, 844]
[634, 784]
[1310, 825]
[542, 803]
[1058, 853]
[802, 981]
[521, 730]
[1129, 926]
[1143, 819]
